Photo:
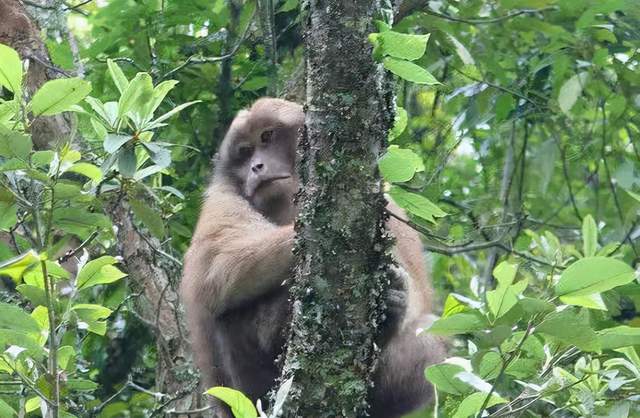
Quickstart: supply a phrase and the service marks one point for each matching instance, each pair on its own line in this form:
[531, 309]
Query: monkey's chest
[259, 326]
[249, 341]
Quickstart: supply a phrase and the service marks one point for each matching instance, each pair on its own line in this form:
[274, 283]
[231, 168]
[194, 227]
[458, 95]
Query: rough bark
[19, 31]
[342, 245]
[148, 272]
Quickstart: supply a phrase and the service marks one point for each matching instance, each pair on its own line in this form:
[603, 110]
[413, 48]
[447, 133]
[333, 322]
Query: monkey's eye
[245, 151]
[266, 136]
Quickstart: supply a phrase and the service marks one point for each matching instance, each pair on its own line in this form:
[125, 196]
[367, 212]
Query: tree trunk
[342, 246]
[153, 277]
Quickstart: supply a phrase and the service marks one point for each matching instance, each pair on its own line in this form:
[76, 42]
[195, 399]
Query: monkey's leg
[400, 385]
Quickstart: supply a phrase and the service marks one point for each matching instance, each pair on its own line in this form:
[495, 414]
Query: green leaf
[593, 301]
[398, 165]
[505, 272]
[14, 318]
[156, 123]
[634, 195]
[56, 96]
[27, 341]
[399, 123]
[255, 83]
[93, 316]
[460, 323]
[14, 144]
[15, 267]
[159, 93]
[149, 217]
[98, 271]
[593, 275]
[570, 328]
[571, 90]
[442, 376]
[10, 69]
[489, 365]
[471, 405]
[288, 5]
[589, 236]
[78, 221]
[160, 155]
[66, 357]
[504, 105]
[6, 411]
[504, 298]
[241, 406]
[118, 77]
[138, 93]
[402, 45]
[416, 204]
[619, 337]
[87, 169]
[113, 142]
[127, 162]
[82, 385]
[409, 71]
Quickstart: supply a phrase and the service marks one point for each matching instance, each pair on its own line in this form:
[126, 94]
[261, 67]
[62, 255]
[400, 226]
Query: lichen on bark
[342, 247]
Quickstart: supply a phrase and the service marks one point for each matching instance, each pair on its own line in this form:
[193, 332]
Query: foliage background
[529, 144]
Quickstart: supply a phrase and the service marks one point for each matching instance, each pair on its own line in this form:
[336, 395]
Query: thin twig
[193, 59]
[79, 248]
[490, 20]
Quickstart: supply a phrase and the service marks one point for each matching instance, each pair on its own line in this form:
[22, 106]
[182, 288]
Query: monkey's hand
[396, 301]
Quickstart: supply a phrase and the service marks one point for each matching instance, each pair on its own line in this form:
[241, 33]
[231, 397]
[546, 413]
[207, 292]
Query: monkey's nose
[257, 167]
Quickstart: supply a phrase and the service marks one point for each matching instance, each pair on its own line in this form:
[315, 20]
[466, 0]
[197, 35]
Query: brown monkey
[235, 271]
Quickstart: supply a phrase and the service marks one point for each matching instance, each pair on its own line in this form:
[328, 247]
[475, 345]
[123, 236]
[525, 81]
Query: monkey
[236, 270]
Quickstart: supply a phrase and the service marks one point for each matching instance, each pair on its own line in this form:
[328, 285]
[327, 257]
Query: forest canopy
[508, 132]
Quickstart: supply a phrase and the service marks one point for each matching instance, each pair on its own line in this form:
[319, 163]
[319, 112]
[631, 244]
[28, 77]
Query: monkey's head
[258, 156]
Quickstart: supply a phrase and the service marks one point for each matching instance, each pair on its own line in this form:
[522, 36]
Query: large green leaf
[471, 405]
[460, 323]
[409, 71]
[6, 411]
[589, 236]
[398, 165]
[619, 337]
[139, 92]
[14, 144]
[118, 77]
[571, 328]
[10, 69]
[571, 90]
[14, 318]
[593, 275]
[240, 405]
[443, 377]
[504, 298]
[15, 267]
[98, 271]
[416, 204]
[402, 45]
[92, 317]
[57, 96]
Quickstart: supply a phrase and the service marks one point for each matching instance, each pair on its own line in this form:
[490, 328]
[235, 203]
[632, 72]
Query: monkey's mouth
[259, 182]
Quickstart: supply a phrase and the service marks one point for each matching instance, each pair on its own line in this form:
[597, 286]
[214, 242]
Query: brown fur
[236, 269]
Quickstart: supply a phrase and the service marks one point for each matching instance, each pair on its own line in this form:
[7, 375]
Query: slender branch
[79, 248]
[567, 178]
[194, 59]
[505, 364]
[612, 186]
[498, 87]
[486, 21]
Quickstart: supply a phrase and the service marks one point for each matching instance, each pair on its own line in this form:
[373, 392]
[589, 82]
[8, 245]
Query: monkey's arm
[234, 266]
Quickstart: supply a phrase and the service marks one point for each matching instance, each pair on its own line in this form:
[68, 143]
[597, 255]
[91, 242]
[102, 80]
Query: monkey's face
[259, 153]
